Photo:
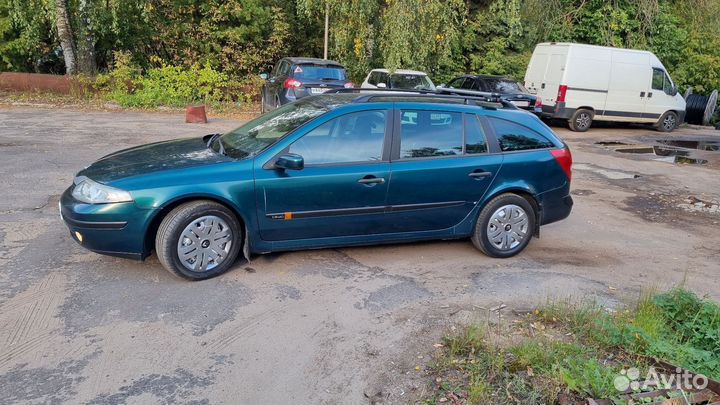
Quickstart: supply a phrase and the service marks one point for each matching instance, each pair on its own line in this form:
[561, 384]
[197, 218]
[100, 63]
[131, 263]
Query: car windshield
[413, 82]
[256, 135]
[319, 72]
[504, 86]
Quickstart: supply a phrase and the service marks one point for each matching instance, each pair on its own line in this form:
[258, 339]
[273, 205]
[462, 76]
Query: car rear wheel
[198, 240]
[668, 122]
[505, 226]
[581, 120]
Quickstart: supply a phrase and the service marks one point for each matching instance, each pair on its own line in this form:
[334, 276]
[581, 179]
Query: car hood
[150, 158]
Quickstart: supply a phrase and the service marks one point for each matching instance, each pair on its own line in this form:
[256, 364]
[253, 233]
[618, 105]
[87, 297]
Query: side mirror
[290, 161]
[674, 91]
[264, 76]
[381, 85]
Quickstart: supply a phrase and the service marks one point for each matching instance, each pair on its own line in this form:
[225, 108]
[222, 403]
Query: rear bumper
[557, 111]
[110, 229]
[555, 205]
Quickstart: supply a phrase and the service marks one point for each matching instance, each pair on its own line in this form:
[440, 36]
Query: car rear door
[442, 164]
[341, 191]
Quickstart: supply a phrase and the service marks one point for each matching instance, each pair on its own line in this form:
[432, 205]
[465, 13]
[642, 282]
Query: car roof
[401, 72]
[295, 60]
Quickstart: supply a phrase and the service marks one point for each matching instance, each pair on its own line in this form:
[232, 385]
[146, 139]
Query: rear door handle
[371, 180]
[479, 174]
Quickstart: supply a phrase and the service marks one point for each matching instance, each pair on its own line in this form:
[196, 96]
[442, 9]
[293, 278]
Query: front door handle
[370, 180]
[479, 174]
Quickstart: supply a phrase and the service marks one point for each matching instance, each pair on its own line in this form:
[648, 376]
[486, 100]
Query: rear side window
[318, 72]
[514, 137]
[474, 136]
[430, 133]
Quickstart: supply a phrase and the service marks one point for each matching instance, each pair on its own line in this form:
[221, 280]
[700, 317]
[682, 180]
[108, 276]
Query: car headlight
[92, 192]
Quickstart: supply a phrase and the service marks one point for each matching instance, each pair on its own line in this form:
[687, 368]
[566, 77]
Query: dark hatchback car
[328, 170]
[509, 89]
[295, 78]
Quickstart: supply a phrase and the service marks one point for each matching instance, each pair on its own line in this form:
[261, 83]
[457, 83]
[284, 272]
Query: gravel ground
[323, 327]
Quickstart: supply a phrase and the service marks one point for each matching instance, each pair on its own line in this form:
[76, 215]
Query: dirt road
[317, 327]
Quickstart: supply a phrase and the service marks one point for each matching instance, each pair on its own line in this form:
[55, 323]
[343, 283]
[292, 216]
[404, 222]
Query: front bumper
[116, 229]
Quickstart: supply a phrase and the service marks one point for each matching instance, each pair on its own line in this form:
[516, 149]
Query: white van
[582, 83]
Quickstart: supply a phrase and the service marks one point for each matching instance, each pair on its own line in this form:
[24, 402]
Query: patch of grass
[589, 348]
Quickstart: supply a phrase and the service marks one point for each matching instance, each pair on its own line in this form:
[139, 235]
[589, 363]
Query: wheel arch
[164, 210]
[524, 192]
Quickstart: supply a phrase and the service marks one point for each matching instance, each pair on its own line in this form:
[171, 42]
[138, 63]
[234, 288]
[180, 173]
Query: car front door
[342, 188]
[442, 165]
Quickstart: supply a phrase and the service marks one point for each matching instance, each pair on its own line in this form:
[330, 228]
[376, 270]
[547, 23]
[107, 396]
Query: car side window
[355, 137]
[457, 83]
[430, 133]
[475, 141]
[667, 86]
[468, 84]
[658, 79]
[372, 79]
[514, 137]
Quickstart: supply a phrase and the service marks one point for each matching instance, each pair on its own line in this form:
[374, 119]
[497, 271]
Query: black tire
[480, 236]
[171, 230]
[668, 122]
[581, 120]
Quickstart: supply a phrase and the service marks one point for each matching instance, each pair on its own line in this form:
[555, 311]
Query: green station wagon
[330, 170]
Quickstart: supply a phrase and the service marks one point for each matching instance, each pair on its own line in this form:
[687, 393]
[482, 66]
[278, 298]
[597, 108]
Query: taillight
[349, 85]
[564, 159]
[292, 84]
[562, 91]
[538, 102]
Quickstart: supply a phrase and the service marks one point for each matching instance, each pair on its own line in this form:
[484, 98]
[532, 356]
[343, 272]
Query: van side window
[430, 133]
[514, 137]
[658, 79]
[474, 136]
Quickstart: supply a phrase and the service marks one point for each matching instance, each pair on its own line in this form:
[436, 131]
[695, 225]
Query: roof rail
[470, 97]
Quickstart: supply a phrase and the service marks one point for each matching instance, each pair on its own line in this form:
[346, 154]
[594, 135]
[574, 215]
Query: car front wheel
[198, 240]
[668, 122]
[505, 226]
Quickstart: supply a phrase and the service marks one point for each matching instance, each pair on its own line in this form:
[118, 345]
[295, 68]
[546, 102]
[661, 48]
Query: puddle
[610, 174]
[671, 151]
[641, 149]
[611, 143]
[710, 146]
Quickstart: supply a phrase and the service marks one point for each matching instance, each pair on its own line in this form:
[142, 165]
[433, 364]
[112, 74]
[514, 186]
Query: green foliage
[676, 326]
[175, 86]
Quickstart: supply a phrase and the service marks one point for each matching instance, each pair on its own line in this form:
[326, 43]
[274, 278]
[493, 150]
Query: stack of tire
[700, 109]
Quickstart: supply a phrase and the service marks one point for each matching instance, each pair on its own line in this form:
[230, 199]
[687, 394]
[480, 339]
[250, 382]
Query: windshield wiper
[216, 137]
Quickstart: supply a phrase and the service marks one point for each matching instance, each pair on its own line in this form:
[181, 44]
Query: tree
[65, 33]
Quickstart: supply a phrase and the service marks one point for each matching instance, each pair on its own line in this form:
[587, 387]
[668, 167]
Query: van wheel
[198, 240]
[505, 226]
[668, 122]
[581, 120]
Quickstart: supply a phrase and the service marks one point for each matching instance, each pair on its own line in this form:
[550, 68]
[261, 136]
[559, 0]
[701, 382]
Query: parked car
[324, 171]
[586, 83]
[509, 89]
[399, 79]
[295, 78]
